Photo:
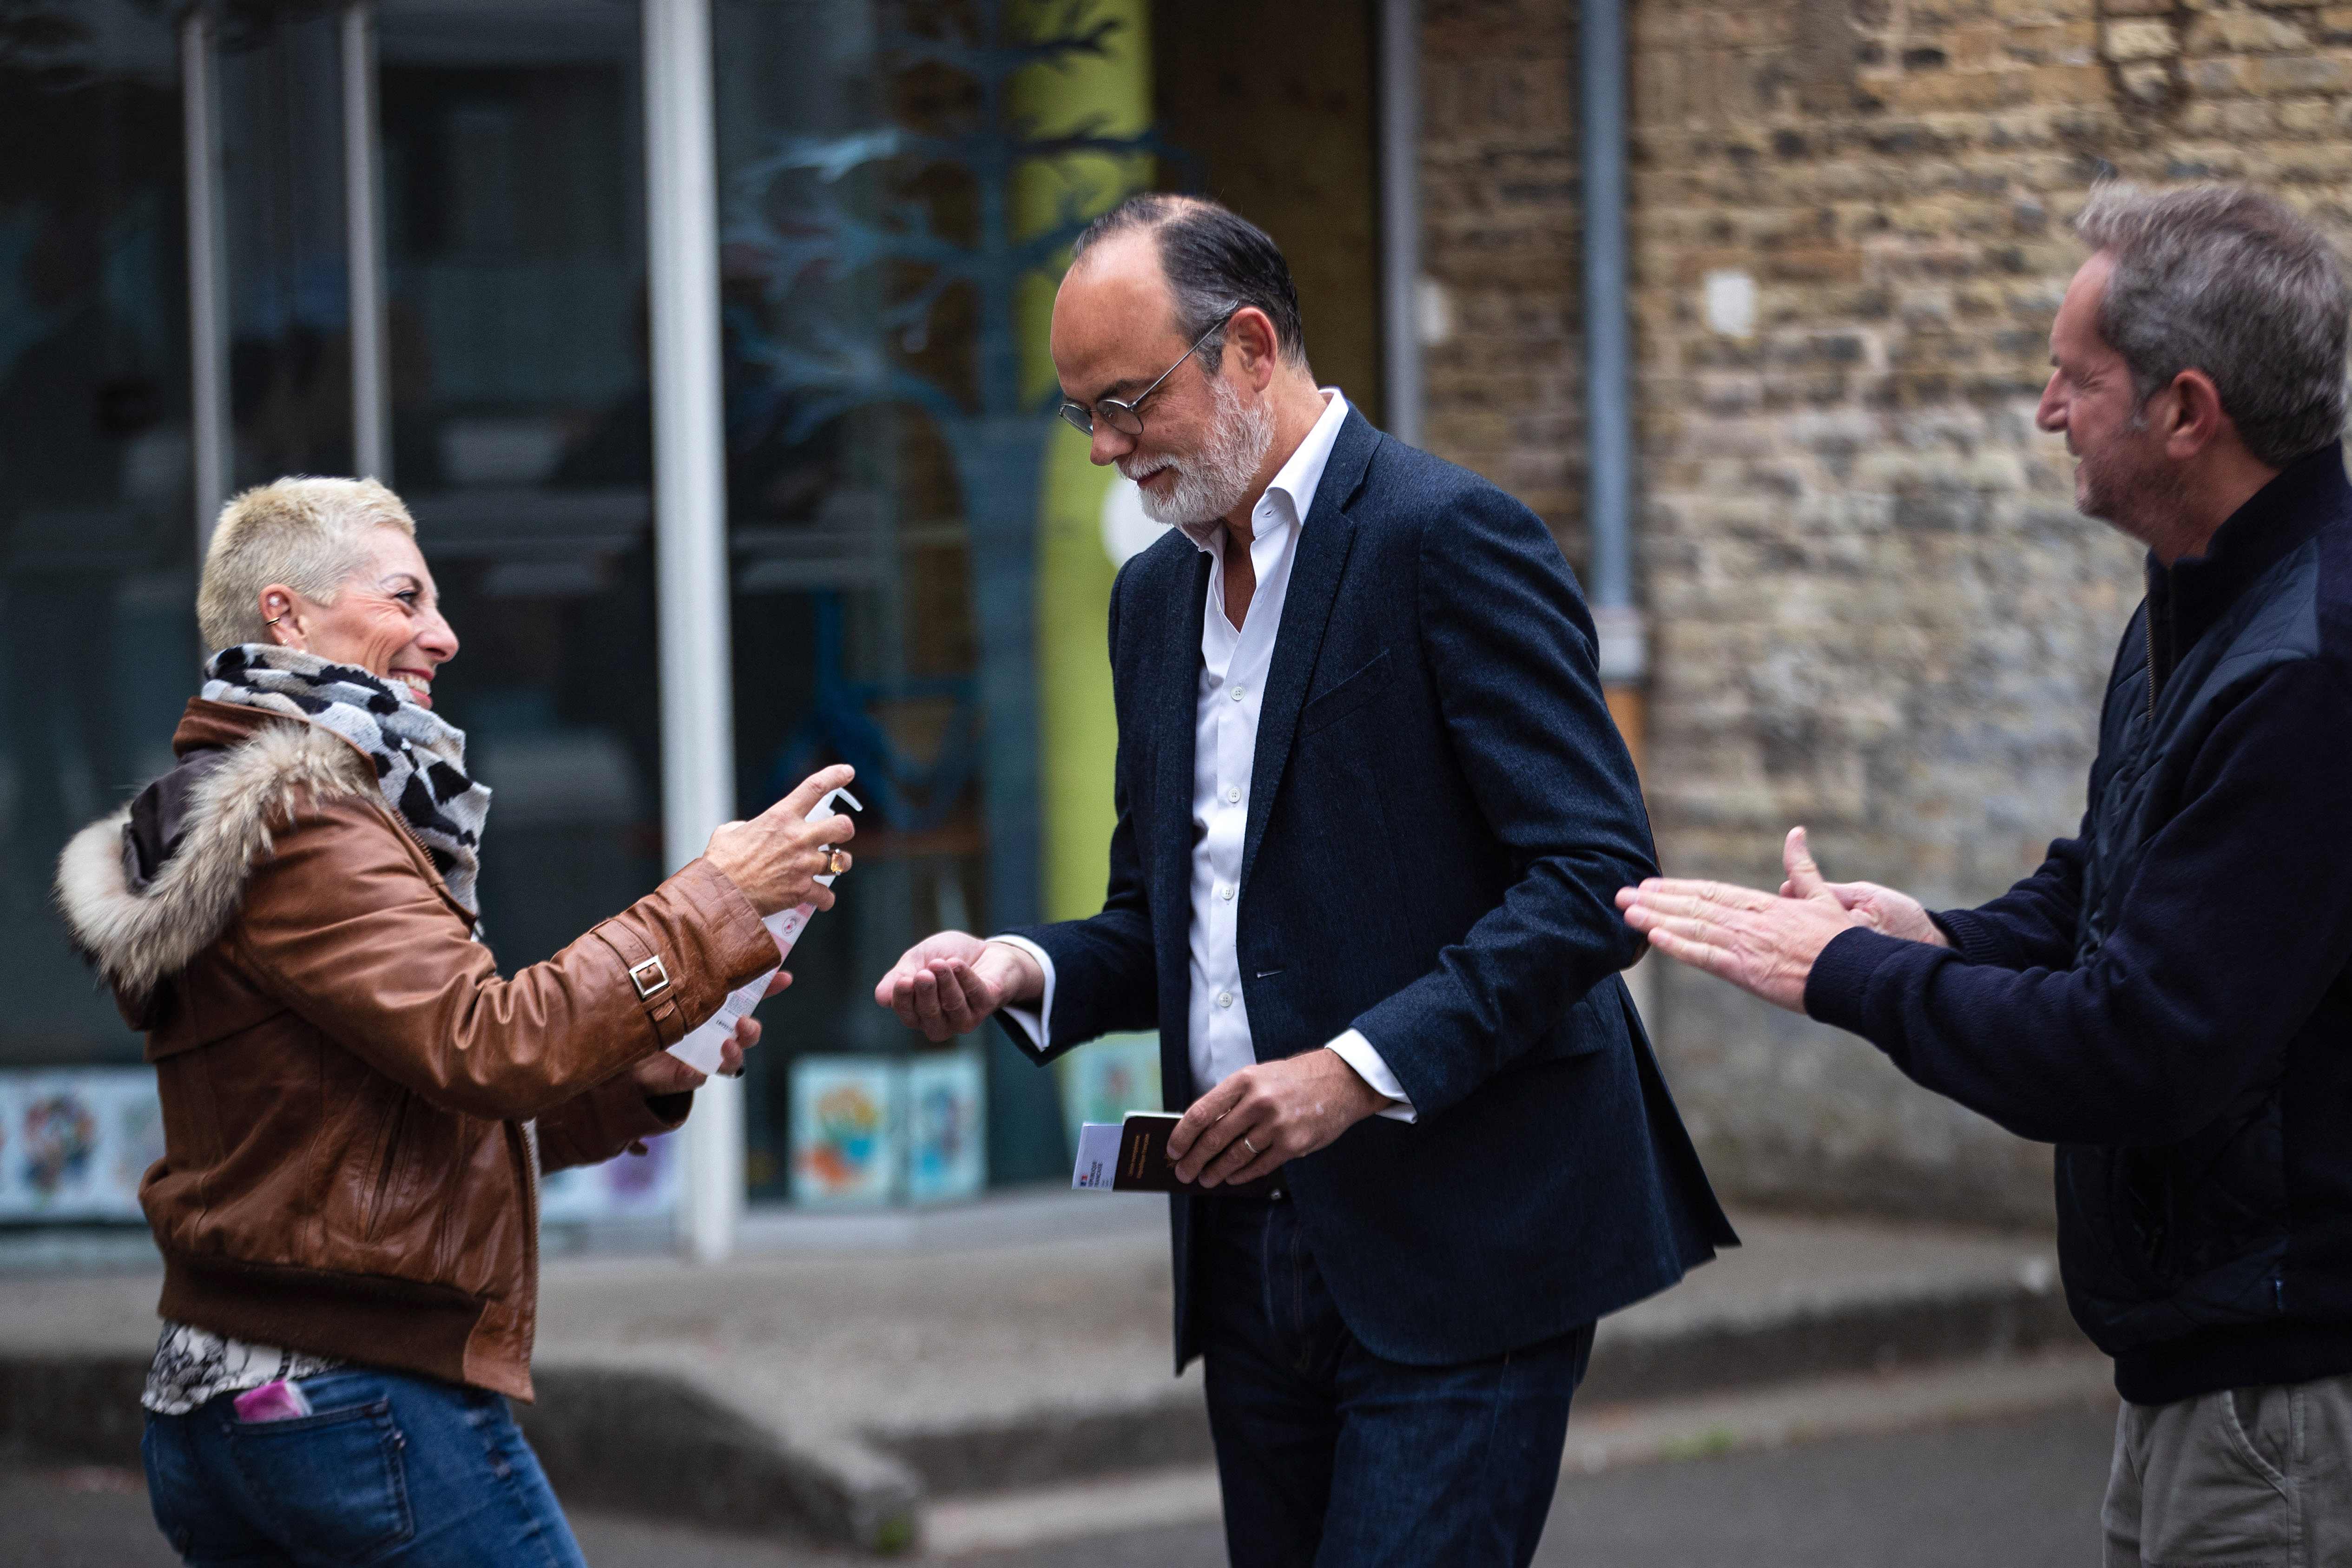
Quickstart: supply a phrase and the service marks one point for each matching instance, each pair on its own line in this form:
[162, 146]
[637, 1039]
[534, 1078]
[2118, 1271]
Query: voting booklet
[1131, 1156]
[701, 1049]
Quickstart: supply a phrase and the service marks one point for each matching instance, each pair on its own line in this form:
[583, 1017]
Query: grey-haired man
[2169, 999]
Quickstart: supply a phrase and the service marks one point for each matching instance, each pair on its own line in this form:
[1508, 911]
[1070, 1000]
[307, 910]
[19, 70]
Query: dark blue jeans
[1329, 1455]
[392, 1469]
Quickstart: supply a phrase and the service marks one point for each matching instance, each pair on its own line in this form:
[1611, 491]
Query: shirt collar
[1298, 477]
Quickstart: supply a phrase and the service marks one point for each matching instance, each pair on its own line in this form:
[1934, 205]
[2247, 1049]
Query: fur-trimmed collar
[139, 939]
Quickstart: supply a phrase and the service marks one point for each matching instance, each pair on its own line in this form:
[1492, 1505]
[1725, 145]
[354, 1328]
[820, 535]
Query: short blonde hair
[303, 532]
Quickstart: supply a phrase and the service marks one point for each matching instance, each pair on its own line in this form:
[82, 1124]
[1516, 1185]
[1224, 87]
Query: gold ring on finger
[836, 862]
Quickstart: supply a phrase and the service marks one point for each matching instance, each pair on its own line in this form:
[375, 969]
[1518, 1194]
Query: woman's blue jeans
[391, 1469]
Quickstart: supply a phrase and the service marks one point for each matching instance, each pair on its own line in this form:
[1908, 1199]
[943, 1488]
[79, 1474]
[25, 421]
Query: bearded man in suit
[1372, 812]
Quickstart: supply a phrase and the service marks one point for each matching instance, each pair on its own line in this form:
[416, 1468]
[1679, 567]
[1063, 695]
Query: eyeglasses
[1127, 417]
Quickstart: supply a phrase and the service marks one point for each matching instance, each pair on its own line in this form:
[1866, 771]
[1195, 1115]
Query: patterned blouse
[192, 1367]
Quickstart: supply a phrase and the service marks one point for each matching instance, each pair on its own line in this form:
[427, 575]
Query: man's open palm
[1763, 944]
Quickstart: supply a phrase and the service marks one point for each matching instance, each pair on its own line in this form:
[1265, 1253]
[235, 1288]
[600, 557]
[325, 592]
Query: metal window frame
[210, 435]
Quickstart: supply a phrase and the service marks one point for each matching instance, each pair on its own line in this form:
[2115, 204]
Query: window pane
[98, 647]
[282, 219]
[869, 291]
[521, 434]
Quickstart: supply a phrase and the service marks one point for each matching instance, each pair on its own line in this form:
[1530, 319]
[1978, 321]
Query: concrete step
[862, 1397]
[1805, 1298]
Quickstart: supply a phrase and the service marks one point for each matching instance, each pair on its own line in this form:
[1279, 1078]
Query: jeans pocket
[333, 1482]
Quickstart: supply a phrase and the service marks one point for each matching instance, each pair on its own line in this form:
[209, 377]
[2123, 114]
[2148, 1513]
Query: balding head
[1176, 341]
[1212, 262]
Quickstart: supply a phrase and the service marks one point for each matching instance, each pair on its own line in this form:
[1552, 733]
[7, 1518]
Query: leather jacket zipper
[415, 838]
[529, 1138]
[387, 1167]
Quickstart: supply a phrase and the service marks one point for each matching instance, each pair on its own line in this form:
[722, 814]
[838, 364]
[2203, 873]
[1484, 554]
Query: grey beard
[1212, 481]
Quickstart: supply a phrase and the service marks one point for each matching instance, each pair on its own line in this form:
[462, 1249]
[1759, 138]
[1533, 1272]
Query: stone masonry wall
[1873, 609]
[1499, 237]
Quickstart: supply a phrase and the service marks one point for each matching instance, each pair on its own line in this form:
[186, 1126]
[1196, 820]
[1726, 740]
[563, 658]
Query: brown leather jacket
[348, 1087]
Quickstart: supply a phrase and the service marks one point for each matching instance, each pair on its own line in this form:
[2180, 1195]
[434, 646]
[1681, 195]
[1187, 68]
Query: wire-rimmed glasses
[1127, 416]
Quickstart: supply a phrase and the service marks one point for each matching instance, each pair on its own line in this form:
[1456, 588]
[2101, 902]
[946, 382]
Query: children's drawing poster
[847, 1131]
[947, 1126]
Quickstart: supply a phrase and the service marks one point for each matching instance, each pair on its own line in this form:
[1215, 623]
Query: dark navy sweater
[2167, 998]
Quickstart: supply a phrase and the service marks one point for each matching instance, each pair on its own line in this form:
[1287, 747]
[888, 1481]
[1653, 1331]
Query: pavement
[993, 1378]
[2023, 1491]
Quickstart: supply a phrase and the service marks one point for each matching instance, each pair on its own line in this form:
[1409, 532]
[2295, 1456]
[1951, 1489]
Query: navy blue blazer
[1441, 815]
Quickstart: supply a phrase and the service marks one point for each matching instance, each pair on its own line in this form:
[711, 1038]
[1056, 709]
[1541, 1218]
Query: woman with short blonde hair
[357, 1109]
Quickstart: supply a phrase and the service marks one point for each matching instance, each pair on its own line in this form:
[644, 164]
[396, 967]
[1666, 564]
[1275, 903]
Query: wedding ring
[1250, 1146]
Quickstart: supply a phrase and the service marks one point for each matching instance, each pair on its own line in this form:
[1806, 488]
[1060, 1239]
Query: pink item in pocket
[278, 1401]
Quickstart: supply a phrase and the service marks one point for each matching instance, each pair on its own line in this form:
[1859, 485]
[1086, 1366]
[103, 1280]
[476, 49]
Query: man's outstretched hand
[1763, 944]
[948, 984]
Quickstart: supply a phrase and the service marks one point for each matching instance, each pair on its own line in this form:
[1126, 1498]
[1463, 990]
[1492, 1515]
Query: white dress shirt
[1235, 662]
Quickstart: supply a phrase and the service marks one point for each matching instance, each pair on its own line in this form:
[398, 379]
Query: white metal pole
[208, 403]
[1400, 110]
[363, 242]
[691, 533]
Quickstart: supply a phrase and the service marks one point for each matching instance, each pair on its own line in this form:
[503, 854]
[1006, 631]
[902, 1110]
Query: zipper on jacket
[2148, 625]
[528, 1136]
[410, 833]
[387, 1167]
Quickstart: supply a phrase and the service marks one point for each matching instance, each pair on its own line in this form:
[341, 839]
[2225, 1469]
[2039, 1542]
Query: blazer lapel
[1174, 700]
[1324, 539]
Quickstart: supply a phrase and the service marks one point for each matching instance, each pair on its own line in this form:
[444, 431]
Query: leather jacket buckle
[649, 977]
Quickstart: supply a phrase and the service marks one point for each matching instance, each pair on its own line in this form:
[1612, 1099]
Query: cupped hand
[775, 858]
[948, 984]
[1258, 1120]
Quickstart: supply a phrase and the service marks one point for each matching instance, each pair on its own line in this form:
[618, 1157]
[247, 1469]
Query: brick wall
[1506, 393]
[1873, 608]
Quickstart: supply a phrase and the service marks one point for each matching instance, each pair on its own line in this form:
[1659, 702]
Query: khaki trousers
[2248, 1477]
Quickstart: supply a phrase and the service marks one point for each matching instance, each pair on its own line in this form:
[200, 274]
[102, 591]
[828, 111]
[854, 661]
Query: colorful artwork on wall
[137, 1145]
[73, 1144]
[947, 1132]
[849, 1134]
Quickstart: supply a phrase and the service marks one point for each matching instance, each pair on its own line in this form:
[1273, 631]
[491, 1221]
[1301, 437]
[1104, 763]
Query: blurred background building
[705, 340]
